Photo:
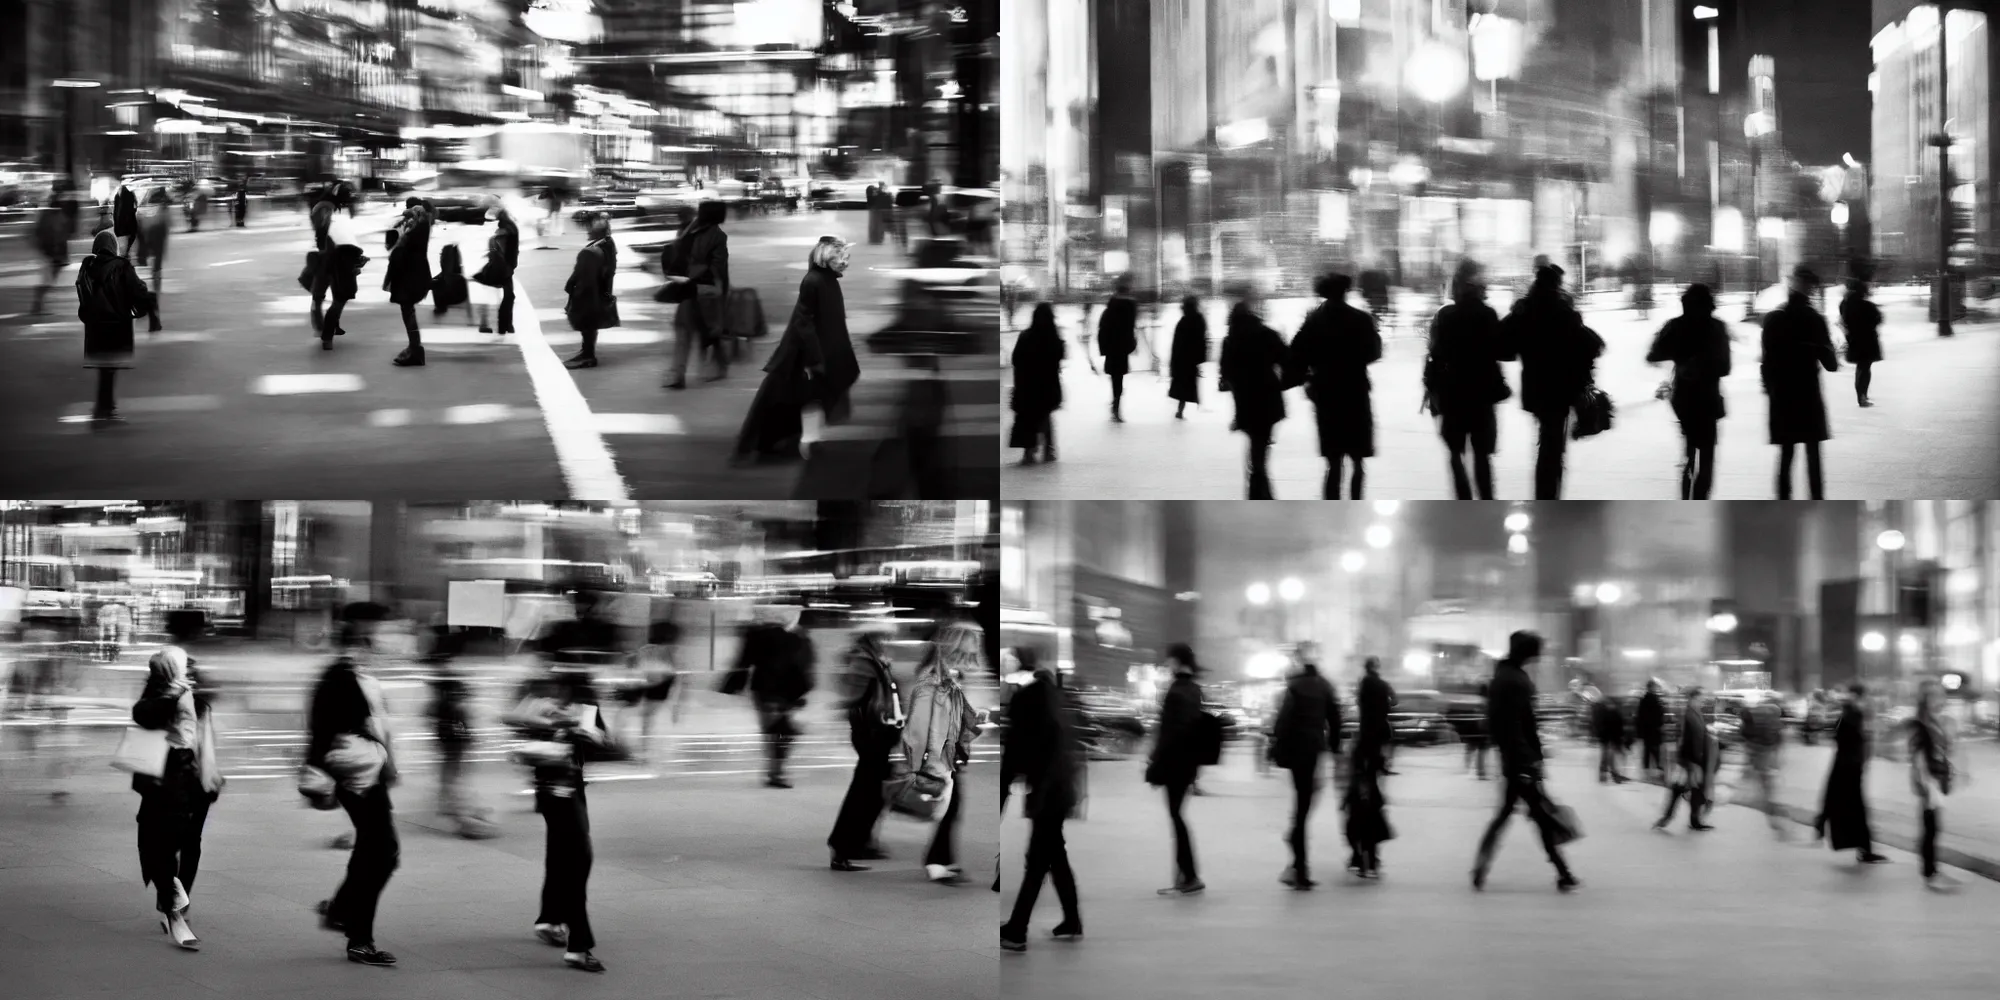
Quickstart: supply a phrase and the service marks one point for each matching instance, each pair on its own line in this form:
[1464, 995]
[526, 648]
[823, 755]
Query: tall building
[1904, 160]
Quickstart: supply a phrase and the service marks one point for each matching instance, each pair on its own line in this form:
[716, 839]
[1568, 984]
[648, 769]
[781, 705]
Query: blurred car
[1109, 727]
[947, 304]
[667, 199]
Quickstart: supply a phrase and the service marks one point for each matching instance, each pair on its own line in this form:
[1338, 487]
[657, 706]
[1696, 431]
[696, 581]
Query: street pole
[1756, 238]
[1941, 297]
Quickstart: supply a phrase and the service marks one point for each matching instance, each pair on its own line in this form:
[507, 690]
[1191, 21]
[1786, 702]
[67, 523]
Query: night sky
[1821, 47]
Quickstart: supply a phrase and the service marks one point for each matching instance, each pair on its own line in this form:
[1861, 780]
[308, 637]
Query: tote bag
[141, 751]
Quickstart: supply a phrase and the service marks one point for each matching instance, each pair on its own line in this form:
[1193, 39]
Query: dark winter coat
[1695, 741]
[817, 335]
[1557, 352]
[1176, 758]
[1118, 334]
[1330, 357]
[503, 255]
[1254, 363]
[1038, 358]
[592, 305]
[1308, 722]
[107, 325]
[1510, 719]
[1796, 346]
[778, 664]
[1863, 321]
[408, 277]
[1608, 723]
[1698, 347]
[1042, 749]
[1652, 717]
[1463, 372]
[52, 231]
[1374, 698]
[1845, 805]
[1189, 354]
[125, 213]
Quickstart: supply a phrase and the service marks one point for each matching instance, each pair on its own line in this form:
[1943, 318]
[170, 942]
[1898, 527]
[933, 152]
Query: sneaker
[1067, 931]
[370, 955]
[582, 960]
[1185, 889]
[1941, 883]
[944, 874]
[554, 935]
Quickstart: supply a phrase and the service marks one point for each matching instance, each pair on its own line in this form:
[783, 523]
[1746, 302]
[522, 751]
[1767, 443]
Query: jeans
[1523, 790]
[376, 856]
[1814, 480]
[941, 851]
[1260, 457]
[566, 863]
[1183, 843]
[1549, 456]
[854, 829]
[1048, 858]
[171, 816]
[1305, 785]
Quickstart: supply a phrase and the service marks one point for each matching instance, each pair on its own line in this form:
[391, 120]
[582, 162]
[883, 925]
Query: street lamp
[1388, 508]
[1353, 561]
[1291, 589]
[1517, 544]
[1518, 522]
[1722, 624]
[1609, 593]
[1258, 594]
[1379, 536]
[1874, 642]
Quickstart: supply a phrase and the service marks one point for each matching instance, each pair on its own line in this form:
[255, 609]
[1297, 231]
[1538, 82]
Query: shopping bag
[1563, 825]
[141, 751]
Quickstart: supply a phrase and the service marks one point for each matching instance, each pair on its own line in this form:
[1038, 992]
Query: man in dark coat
[1511, 722]
[701, 255]
[1463, 381]
[109, 294]
[1117, 338]
[1652, 724]
[1862, 319]
[1190, 352]
[1176, 760]
[1558, 355]
[778, 663]
[1698, 756]
[1608, 725]
[1308, 725]
[592, 304]
[1374, 698]
[1038, 357]
[1042, 750]
[1330, 357]
[1843, 814]
[125, 218]
[1253, 367]
[1796, 346]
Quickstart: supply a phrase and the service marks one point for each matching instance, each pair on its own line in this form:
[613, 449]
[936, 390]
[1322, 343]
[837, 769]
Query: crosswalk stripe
[639, 423]
[588, 467]
[481, 413]
[291, 385]
[79, 412]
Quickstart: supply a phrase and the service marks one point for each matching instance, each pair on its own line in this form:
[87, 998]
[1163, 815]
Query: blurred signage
[1236, 135]
[1497, 47]
[1333, 215]
[12, 600]
[477, 604]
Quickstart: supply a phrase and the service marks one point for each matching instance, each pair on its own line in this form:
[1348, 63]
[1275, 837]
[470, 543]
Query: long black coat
[1308, 722]
[125, 213]
[1464, 368]
[1863, 321]
[107, 338]
[1374, 699]
[1796, 346]
[1330, 357]
[591, 301]
[1254, 363]
[817, 335]
[1041, 748]
[1652, 718]
[1510, 719]
[1038, 358]
[408, 277]
[1557, 352]
[1175, 758]
[1118, 334]
[1190, 353]
[1844, 806]
[1698, 347]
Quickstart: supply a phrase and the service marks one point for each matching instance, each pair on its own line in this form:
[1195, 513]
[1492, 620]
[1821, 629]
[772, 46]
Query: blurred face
[839, 258]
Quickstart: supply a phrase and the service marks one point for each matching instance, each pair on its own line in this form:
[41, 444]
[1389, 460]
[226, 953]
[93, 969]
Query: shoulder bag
[141, 751]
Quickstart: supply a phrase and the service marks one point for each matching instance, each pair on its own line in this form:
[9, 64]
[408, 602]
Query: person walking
[1934, 773]
[1463, 382]
[1190, 352]
[1038, 392]
[173, 807]
[658, 676]
[875, 722]
[1306, 728]
[340, 262]
[593, 302]
[1558, 355]
[1254, 365]
[451, 715]
[1117, 338]
[937, 741]
[1468, 718]
[154, 227]
[878, 221]
[1330, 357]
[1367, 815]
[1043, 751]
[52, 232]
[109, 297]
[125, 218]
[348, 738]
[1516, 733]
[1796, 346]
[1697, 343]
[240, 205]
[775, 665]
[1176, 760]
[1608, 726]
[503, 256]
[698, 261]
[408, 277]
[1651, 722]
[1763, 742]
[1374, 698]
[809, 377]
[1843, 815]
[559, 713]
[1696, 757]
[1862, 319]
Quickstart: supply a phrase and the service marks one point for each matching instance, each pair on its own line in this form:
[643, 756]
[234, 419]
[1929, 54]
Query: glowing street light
[1609, 593]
[1416, 661]
[1706, 13]
[1388, 508]
[1909, 645]
[1517, 544]
[1380, 537]
[1518, 522]
[1258, 593]
[1722, 623]
[1265, 666]
[1291, 588]
[1436, 72]
[1352, 561]
[1890, 541]
[1874, 642]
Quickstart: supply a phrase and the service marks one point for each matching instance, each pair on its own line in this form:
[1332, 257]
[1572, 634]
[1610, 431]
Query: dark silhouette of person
[1330, 357]
[1042, 749]
[1608, 725]
[1038, 357]
[1862, 319]
[1698, 345]
[1307, 726]
[1190, 352]
[1254, 364]
[1796, 346]
[1516, 733]
[1557, 354]
[1176, 760]
[1463, 380]
[1374, 698]
[1843, 813]
[1117, 338]
[1696, 758]
[1651, 723]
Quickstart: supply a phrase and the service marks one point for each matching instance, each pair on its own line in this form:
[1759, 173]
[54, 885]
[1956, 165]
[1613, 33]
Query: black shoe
[1067, 931]
[584, 961]
[485, 329]
[1567, 883]
[1479, 880]
[844, 865]
[776, 783]
[326, 343]
[1013, 940]
[1700, 827]
[1867, 403]
[1872, 858]
[581, 361]
[327, 921]
[410, 358]
[370, 955]
[679, 383]
[105, 418]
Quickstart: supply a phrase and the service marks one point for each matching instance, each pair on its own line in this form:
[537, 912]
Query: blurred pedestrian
[1697, 757]
[450, 289]
[1375, 292]
[1516, 733]
[52, 232]
[1038, 392]
[698, 261]
[173, 806]
[451, 726]
[1862, 319]
[1843, 814]
[1190, 352]
[1463, 381]
[1177, 759]
[1330, 357]
[937, 215]
[1374, 699]
[1468, 718]
[1253, 368]
[1558, 354]
[875, 722]
[775, 665]
[1042, 750]
[1763, 741]
[1117, 338]
[339, 267]
[348, 738]
[593, 301]
[1608, 726]
[109, 297]
[560, 717]
[809, 376]
[1697, 343]
[503, 255]
[1934, 773]
[154, 226]
[1651, 723]
[1367, 815]
[657, 678]
[240, 205]
[937, 741]
[408, 277]
[878, 219]
[125, 217]
[1796, 346]
[1307, 726]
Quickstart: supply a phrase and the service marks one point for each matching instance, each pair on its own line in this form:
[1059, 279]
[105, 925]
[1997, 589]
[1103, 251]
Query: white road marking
[480, 413]
[639, 423]
[292, 385]
[589, 470]
[226, 263]
[178, 338]
[462, 336]
[389, 418]
[151, 404]
[615, 335]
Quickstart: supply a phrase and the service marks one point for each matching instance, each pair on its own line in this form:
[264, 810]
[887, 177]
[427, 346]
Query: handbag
[918, 795]
[1594, 413]
[311, 270]
[1563, 825]
[142, 751]
[356, 762]
[318, 788]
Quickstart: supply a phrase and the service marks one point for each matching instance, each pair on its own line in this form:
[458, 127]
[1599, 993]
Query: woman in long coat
[1190, 353]
[592, 305]
[408, 280]
[1862, 319]
[1843, 813]
[1796, 346]
[1038, 358]
[1254, 360]
[1367, 814]
[109, 296]
[807, 380]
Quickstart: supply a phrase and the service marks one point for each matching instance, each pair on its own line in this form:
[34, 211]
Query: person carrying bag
[174, 800]
[350, 741]
[560, 714]
[937, 744]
